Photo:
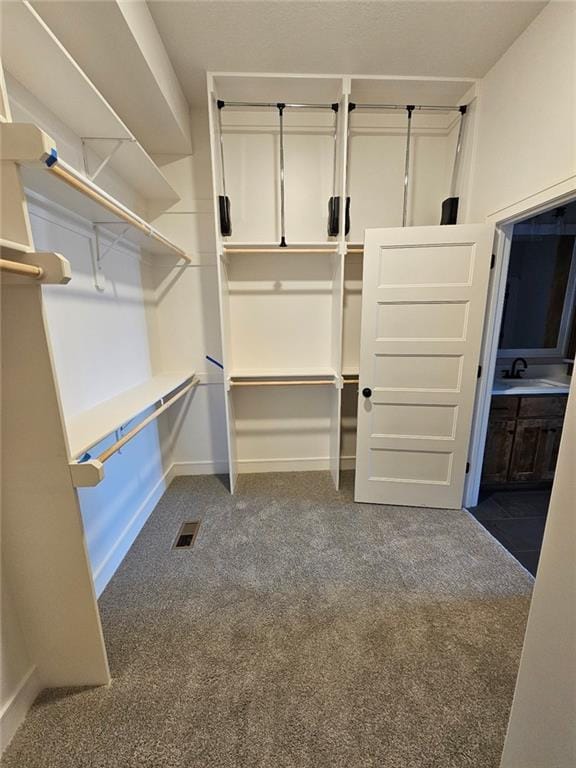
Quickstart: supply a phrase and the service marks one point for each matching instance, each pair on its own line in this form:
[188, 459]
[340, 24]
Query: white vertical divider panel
[338, 285]
[43, 537]
[223, 292]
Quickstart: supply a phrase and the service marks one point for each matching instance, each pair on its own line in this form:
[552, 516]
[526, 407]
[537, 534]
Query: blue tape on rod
[214, 361]
[84, 458]
[53, 158]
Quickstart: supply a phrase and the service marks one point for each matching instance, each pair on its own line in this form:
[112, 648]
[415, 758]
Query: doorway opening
[533, 348]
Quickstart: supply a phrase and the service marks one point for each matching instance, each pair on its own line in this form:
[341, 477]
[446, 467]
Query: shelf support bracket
[85, 142]
[98, 256]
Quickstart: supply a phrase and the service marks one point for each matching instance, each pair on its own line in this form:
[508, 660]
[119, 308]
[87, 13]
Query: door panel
[498, 450]
[424, 296]
[524, 465]
[548, 448]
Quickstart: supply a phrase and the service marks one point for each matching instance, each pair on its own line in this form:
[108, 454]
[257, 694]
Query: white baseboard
[347, 462]
[245, 466]
[104, 571]
[16, 708]
[183, 468]
[299, 464]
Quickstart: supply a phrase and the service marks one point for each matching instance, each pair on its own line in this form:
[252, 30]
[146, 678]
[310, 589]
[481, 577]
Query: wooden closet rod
[67, 174]
[105, 455]
[358, 249]
[19, 268]
[278, 249]
[282, 383]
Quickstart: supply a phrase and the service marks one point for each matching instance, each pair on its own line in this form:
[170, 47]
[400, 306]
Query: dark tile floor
[517, 520]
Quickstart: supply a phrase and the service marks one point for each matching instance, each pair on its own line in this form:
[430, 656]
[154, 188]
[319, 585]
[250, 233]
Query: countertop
[530, 387]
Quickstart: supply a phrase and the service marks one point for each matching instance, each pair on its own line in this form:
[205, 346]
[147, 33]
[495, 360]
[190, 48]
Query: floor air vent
[186, 535]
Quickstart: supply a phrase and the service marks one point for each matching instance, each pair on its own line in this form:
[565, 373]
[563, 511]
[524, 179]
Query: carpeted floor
[301, 631]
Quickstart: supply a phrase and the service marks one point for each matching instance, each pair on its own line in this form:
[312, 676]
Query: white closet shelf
[327, 246]
[256, 374]
[89, 427]
[61, 184]
[55, 79]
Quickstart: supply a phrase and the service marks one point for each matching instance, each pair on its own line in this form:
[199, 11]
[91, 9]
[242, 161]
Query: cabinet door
[548, 447]
[498, 450]
[525, 461]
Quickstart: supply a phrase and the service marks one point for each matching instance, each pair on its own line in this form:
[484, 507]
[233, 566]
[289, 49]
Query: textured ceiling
[462, 38]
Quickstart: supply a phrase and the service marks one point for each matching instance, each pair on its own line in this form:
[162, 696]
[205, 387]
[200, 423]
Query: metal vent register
[186, 535]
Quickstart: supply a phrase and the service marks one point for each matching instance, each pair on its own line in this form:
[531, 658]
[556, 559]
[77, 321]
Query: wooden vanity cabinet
[523, 439]
[500, 439]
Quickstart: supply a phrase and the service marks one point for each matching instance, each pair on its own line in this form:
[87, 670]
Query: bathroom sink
[529, 386]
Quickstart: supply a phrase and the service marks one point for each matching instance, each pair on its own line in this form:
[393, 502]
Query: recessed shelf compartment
[54, 78]
[281, 308]
[89, 427]
[251, 162]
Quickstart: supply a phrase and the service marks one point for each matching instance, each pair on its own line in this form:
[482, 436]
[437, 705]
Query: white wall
[542, 728]
[101, 347]
[184, 318]
[527, 116]
[526, 154]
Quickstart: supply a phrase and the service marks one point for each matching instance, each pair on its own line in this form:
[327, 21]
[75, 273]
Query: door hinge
[479, 372]
[493, 261]
[467, 467]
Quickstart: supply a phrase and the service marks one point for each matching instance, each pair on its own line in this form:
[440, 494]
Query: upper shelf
[54, 78]
[411, 90]
[90, 427]
[43, 172]
[247, 86]
[134, 65]
[89, 201]
[274, 373]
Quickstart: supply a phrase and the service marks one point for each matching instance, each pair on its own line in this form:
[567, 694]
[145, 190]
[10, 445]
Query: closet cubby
[281, 310]
[290, 286]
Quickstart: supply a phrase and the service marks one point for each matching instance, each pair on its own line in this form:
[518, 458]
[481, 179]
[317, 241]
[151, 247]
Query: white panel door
[423, 303]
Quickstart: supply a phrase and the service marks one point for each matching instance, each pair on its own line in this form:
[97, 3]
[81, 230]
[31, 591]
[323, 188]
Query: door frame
[504, 221]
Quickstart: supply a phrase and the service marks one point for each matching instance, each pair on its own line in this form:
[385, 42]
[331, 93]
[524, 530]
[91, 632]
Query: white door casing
[423, 304]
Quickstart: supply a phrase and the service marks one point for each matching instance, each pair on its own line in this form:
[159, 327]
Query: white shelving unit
[90, 427]
[42, 172]
[55, 79]
[50, 537]
[115, 218]
[291, 315]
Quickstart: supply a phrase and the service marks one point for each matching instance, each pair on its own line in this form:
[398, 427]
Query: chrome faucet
[514, 373]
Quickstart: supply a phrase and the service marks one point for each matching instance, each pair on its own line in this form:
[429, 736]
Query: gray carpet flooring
[301, 631]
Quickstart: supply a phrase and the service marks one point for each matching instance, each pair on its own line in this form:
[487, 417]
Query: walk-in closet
[269, 419]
